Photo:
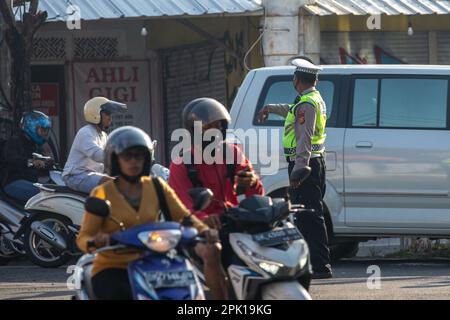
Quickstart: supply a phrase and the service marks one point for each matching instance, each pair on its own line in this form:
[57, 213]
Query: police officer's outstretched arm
[280, 109]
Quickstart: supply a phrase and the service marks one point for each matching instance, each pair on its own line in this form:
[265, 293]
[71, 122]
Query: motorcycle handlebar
[49, 162]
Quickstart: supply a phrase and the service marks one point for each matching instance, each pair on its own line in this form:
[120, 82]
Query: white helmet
[95, 106]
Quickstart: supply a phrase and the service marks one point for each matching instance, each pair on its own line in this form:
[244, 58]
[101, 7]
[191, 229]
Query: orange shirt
[123, 212]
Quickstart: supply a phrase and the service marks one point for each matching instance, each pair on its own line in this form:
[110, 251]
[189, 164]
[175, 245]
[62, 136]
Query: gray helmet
[125, 138]
[207, 110]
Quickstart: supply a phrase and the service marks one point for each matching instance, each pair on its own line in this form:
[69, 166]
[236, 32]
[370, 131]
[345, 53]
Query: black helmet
[207, 110]
[125, 138]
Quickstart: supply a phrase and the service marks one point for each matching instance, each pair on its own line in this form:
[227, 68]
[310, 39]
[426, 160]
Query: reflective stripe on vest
[319, 136]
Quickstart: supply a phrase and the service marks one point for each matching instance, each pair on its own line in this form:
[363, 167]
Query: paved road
[406, 280]
[399, 280]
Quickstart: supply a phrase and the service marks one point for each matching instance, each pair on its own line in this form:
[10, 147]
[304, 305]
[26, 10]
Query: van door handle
[364, 144]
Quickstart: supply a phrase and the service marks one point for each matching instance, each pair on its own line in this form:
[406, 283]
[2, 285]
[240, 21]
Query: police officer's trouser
[312, 225]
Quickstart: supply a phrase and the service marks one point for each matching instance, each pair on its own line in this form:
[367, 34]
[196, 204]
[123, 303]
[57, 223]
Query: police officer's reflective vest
[318, 138]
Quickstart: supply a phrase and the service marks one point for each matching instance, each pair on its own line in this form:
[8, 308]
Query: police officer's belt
[315, 148]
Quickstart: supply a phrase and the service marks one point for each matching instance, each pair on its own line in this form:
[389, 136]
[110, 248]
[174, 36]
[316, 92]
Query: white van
[387, 147]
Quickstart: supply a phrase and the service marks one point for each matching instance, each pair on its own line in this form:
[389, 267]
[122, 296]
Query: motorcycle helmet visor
[111, 107]
[206, 110]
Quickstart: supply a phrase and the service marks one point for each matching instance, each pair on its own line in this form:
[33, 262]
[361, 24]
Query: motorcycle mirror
[301, 175]
[98, 207]
[202, 197]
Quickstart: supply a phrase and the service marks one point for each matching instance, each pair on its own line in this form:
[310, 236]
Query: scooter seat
[64, 189]
[87, 279]
[13, 202]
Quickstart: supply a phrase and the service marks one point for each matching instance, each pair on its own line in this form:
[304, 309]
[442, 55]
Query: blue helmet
[31, 122]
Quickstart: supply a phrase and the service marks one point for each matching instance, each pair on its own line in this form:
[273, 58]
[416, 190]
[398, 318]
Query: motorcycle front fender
[286, 290]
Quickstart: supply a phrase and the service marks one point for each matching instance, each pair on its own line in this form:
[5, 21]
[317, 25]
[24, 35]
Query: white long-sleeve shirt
[86, 154]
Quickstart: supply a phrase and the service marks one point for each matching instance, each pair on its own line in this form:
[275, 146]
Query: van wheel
[42, 253]
[340, 251]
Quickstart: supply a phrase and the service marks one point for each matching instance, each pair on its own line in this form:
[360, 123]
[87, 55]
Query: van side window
[365, 103]
[280, 90]
[410, 103]
[413, 103]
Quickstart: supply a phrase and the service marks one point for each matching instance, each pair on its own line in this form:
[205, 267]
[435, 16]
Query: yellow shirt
[123, 212]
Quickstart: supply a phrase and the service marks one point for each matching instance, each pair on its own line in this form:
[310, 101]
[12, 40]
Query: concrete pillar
[289, 32]
[432, 47]
[309, 37]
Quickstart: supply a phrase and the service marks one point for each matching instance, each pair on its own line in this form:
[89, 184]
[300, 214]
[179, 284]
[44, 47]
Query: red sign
[46, 98]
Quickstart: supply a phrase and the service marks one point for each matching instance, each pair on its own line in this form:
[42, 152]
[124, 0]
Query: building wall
[168, 39]
[238, 33]
[348, 38]
[58, 45]
[360, 45]
[388, 23]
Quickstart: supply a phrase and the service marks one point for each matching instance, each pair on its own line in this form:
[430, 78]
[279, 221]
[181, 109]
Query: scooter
[55, 220]
[161, 274]
[12, 215]
[267, 259]
[13, 218]
[265, 255]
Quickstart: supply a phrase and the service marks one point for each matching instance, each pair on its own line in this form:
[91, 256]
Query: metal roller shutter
[410, 49]
[189, 73]
[443, 40]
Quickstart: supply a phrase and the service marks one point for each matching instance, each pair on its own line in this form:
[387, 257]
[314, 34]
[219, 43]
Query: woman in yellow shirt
[133, 197]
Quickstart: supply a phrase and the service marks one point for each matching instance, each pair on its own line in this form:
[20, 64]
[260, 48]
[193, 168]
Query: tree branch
[34, 6]
[5, 98]
[6, 12]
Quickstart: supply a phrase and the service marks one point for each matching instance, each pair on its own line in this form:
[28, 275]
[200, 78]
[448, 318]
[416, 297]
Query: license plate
[170, 279]
[274, 237]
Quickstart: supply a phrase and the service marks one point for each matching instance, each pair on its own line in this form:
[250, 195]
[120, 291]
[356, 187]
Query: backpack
[193, 173]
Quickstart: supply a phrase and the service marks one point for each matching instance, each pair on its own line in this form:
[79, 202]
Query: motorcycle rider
[226, 179]
[129, 154]
[84, 167]
[17, 176]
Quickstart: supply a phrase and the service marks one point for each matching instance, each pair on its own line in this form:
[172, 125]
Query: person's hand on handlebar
[39, 164]
[213, 221]
[102, 240]
[211, 236]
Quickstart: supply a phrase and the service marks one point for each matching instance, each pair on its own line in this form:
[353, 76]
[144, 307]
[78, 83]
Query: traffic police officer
[304, 145]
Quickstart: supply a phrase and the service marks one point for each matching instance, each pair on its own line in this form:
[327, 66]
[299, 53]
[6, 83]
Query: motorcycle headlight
[303, 261]
[304, 256]
[270, 267]
[160, 240]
